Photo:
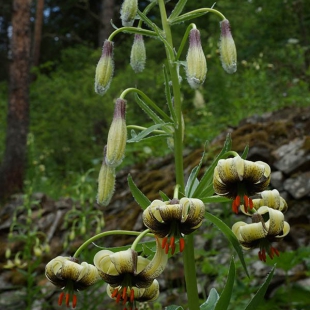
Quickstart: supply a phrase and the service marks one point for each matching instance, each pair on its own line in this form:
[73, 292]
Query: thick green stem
[188, 257]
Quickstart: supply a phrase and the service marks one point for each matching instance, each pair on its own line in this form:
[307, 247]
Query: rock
[299, 186]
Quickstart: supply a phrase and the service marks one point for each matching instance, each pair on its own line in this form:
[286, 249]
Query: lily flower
[271, 199]
[66, 273]
[237, 179]
[173, 219]
[131, 277]
[268, 226]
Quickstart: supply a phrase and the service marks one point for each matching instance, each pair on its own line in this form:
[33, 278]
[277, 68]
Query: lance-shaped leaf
[207, 179]
[225, 297]
[144, 133]
[210, 303]
[169, 96]
[259, 296]
[177, 9]
[139, 197]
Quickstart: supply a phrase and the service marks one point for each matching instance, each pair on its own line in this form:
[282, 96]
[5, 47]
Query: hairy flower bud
[105, 69]
[128, 12]
[227, 48]
[117, 136]
[196, 61]
[138, 55]
[106, 183]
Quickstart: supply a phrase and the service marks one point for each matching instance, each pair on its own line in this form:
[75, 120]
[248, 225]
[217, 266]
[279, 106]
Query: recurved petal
[102, 260]
[88, 275]
[192, 210]
[148, 294]
[231, 169]
[276, 220]
[125, 261]
[220, 188]
[286, 230]
[252, 232]
[171, 212]
[155, 267]
[253, 171]
[70, 270]
[52, 271]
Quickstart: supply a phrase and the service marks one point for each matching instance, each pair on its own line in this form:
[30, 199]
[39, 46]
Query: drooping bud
[128, 12]
[117, 136]
[227, 48]
[105, 69]
[106, 183]
[196, 61]
[138, 54]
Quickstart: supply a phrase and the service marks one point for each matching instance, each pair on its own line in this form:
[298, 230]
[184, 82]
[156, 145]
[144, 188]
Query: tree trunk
[106, 14]
[14, 161]
[37, 33]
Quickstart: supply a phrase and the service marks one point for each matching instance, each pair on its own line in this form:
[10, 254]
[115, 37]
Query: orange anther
[60, 298]
[118, 298]
[74, 301]
[67, 299]
[182, 244]
[132, 295]
[115, 292]
[164, 242]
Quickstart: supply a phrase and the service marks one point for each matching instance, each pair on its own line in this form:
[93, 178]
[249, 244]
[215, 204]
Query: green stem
[188, 254]
[184, 40]
[105, 234]
[142, 234]
[132, 30]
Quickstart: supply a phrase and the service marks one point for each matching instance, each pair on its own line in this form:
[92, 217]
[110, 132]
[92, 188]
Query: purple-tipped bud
[117, 136]
[227, 48]
[138, 54]
[128, 12]
[196, 61]
[105, 69]
[106, 182]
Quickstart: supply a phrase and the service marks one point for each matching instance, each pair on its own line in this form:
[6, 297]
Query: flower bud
[106, 183]
[196, 61]
[105, 69]
[117, 136]
[138, 55]
[128, 12]
[227, 48]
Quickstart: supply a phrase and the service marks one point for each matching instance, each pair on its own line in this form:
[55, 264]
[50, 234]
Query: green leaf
[139, 197]
[177, 9]
[185, 17]
[192, 182]
[207, 178]
[229, 235]
[259, 296]
[174, 307]
[138, 137]
[145, 107]
[245, 152]
[164, 196]
[209, 304]
[225, 297]
[168, 96]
